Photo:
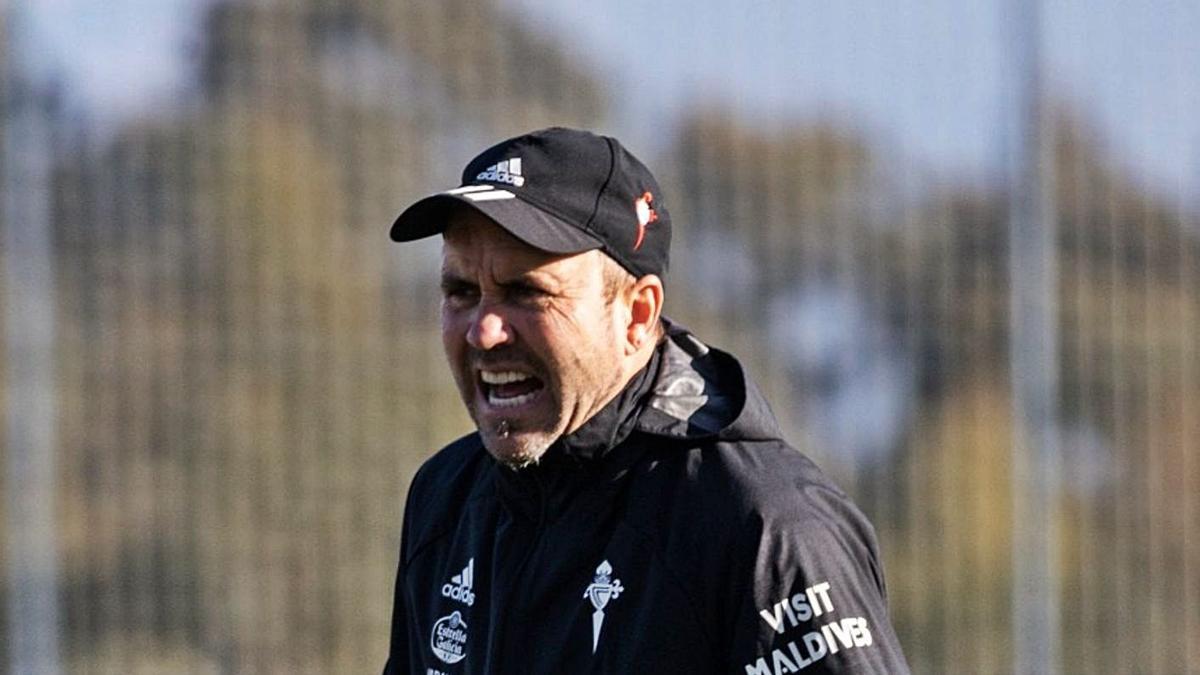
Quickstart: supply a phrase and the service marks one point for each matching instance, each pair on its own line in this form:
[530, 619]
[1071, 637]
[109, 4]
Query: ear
[645, 298]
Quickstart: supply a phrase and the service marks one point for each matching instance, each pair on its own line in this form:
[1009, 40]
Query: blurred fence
[219, 375]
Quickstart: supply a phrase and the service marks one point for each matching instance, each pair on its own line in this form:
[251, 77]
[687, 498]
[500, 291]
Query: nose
[489, 330]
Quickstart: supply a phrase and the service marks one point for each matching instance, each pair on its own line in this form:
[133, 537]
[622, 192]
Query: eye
[523, 292]
[459, 294]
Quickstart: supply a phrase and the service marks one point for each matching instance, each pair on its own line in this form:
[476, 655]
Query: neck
[630, 366]
[609, 425]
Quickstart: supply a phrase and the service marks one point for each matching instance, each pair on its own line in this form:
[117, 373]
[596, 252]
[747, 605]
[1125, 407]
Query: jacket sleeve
[399, 659]
[810, 595]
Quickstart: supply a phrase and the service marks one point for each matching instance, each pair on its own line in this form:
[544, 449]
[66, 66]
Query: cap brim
[523, 220]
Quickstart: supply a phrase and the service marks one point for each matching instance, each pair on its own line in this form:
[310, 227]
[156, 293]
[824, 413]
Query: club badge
[646, 214]
[602, 589]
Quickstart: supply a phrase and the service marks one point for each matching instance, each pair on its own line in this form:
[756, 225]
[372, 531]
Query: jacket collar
[613, 424]
[687, 391]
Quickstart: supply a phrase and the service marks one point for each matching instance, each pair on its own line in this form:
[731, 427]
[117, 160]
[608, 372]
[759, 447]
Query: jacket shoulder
[797, 534]
[451, 460]
[783, 496]
[766, 477]
[766, 495]
[439, 491]
[729, 498]
[775, 480]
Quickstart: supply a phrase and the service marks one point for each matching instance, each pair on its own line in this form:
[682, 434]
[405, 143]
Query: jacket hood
[700, 391]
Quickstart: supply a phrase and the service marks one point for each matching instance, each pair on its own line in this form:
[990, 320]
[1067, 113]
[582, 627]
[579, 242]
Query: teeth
[510, 402]
[502, 377]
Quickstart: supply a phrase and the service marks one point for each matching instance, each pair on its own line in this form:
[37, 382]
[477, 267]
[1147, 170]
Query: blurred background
[958, 244]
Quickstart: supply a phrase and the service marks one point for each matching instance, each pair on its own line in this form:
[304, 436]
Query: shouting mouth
[508, 389]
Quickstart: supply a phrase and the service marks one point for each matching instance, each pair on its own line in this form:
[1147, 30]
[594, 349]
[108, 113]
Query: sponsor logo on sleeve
[449, 638]
[811, 608]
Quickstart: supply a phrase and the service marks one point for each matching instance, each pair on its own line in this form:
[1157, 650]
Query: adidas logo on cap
[460, 585]
[508, 171]
[579, 192]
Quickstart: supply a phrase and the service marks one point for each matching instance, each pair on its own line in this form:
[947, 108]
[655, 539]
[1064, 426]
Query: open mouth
[509, 388]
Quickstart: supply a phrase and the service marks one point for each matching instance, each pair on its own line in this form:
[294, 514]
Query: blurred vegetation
[249, 373]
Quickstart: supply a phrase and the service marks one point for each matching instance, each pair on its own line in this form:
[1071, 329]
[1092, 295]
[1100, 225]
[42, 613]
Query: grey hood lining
[699, 391]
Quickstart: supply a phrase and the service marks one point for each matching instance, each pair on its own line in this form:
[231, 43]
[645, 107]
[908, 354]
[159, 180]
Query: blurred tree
[6, 90]
[951, 577]
[1124, 296]
[248, 369]
[460, 62]
[796, 197]
[768, 214]
[796, 206]
[1128, 307]
[249, 372]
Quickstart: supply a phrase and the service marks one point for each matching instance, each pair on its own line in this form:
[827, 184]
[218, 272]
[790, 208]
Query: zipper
[496, 644]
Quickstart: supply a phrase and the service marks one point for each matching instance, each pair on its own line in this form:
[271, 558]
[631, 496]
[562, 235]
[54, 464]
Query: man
[626, 504]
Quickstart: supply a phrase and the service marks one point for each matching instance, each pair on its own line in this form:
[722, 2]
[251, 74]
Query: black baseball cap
[562, 191]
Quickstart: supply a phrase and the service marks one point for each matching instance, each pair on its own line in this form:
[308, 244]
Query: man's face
[534, 345]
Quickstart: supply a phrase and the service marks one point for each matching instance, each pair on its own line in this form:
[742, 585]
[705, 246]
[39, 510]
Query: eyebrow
[527, 280]
[451, 279]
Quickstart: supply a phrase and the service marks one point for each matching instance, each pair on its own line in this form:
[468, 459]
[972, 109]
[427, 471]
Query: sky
[116, 57]
[932, 82]
[933, 79]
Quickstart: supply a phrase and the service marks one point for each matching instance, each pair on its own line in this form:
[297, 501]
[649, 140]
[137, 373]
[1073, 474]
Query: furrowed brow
[454, 280]
[525, 281]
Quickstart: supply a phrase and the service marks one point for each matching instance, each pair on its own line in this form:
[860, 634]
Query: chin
[516, 451]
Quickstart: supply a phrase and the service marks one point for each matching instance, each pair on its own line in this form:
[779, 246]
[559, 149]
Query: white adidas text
[460, 585]
[508, 171]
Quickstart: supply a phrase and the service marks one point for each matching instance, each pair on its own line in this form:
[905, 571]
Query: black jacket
[675, 532]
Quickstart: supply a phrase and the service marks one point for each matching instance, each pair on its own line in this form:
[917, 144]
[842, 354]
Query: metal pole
[29, 481]
[1033, 353]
